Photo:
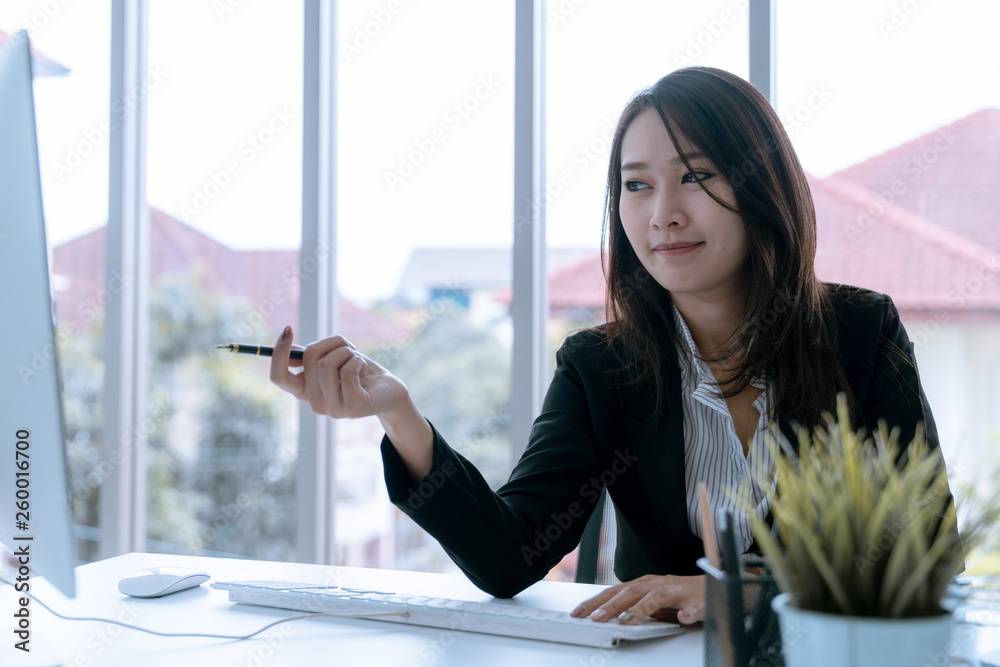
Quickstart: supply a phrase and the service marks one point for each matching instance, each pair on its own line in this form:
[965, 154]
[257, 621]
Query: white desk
[306, 642]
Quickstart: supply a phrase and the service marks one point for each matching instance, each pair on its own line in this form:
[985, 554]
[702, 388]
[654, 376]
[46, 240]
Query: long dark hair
[787, 313]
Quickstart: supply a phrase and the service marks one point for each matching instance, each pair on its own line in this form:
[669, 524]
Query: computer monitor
[35, 520]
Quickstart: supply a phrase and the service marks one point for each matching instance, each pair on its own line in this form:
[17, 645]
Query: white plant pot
[815, 639]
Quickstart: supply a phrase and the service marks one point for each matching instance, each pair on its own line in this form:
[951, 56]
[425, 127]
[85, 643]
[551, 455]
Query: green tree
[241, 466]
[216, 479]
[459, 377]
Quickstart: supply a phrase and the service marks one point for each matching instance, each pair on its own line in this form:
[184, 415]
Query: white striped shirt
[713, 452]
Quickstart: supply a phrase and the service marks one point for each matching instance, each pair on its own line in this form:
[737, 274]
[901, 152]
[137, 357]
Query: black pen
[734, 588]
[259, 350]
[730, 555]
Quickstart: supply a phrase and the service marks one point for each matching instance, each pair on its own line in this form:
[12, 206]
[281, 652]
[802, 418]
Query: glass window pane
[599, 54]
[425, 188]
[900, 131]
[224, 190]
[71, 45]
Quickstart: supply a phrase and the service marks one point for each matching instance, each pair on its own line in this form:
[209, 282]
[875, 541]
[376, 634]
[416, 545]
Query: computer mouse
[159, 581]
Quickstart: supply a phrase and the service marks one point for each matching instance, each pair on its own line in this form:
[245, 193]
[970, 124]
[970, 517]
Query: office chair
[595, 560]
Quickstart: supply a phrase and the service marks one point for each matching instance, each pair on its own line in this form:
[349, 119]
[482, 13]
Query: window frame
[123, 494]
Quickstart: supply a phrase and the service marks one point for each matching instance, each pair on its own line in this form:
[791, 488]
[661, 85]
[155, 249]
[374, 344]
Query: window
[903, 160]
[425, 208]
[224, 190]
[424, 235]
[599, 55]
[70, 44]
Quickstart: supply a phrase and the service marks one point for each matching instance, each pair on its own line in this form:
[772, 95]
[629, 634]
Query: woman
[717, 328]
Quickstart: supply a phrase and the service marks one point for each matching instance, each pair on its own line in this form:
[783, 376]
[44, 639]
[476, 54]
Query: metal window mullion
[762, 41]
[123, 491]
[318, 310]
[529, 305]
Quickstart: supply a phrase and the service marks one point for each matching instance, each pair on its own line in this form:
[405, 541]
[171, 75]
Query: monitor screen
[35, 521]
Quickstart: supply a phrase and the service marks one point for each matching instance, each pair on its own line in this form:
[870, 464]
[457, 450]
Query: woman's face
[692, 246]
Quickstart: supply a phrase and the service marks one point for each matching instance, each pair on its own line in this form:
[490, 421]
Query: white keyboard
[493, 618]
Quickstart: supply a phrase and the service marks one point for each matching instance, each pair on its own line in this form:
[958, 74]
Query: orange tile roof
[927, 269]
[949, 176]
[920, 222]
[268, 278]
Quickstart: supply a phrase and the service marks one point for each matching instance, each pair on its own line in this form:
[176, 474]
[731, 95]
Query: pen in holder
[741, 629]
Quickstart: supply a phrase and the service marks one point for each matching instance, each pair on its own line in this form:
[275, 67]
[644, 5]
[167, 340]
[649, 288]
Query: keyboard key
[497, 618]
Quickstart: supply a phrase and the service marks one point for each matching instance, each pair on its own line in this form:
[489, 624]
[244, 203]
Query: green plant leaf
[858, 526]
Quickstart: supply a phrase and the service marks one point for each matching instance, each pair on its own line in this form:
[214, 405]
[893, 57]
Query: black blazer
[591, 434]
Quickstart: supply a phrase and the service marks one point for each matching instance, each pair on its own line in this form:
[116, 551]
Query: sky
[425, 107]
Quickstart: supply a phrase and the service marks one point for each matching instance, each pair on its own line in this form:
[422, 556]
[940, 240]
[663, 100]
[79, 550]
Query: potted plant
[863, 548]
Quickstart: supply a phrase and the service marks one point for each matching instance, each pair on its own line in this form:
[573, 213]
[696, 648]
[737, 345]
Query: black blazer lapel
[660, 450]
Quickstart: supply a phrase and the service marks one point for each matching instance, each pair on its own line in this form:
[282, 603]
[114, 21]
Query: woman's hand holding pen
[339, 381]
[336, 380]
[667, 598]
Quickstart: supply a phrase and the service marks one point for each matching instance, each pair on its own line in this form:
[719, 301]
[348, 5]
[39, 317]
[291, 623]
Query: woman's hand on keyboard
[666, 598]
[338, 381]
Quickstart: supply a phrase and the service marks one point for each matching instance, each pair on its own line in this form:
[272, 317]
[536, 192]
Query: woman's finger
[329, 371]
[280, 375]
[587, 607]
[691, 614]
[680, 597]
[625, 600]
[311, 357]
[661, 597]
[354, 395]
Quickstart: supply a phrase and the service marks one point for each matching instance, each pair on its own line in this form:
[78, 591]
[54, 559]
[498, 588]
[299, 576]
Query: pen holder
[741, 629]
